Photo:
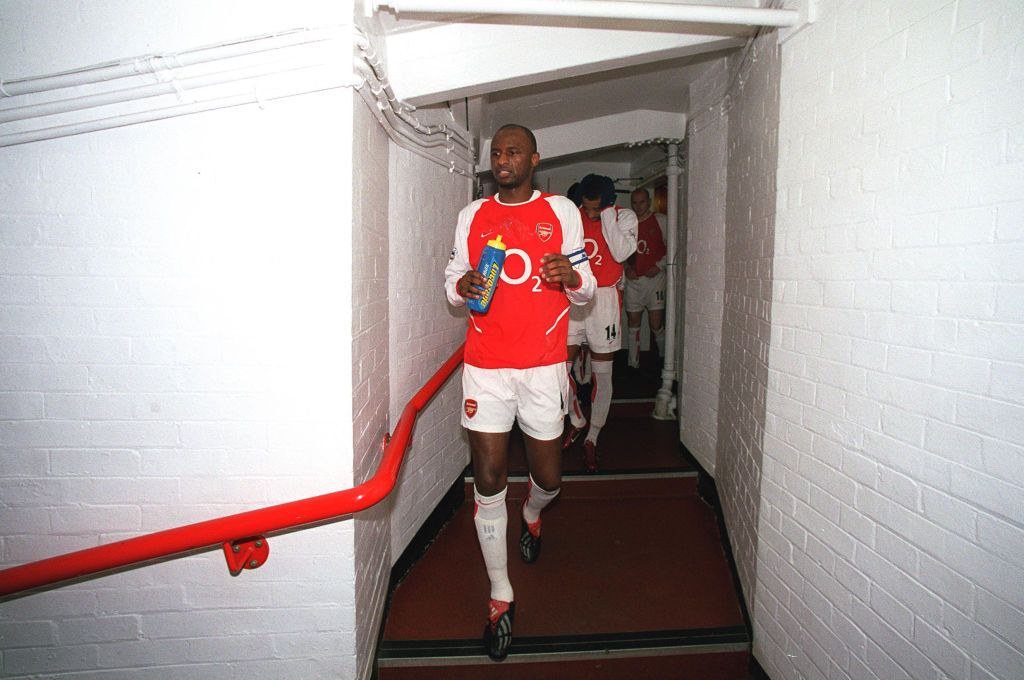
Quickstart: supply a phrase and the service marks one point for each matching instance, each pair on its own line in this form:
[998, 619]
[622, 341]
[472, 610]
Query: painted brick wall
[370, 369]
[175, 325]
[752, 103]
[425, 200]
[173, 297]
[891, 526]
[705, 265]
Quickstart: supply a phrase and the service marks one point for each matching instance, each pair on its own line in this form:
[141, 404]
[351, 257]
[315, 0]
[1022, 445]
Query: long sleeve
[572, 247]
[619, 226]
[662, 221]
[458, 263]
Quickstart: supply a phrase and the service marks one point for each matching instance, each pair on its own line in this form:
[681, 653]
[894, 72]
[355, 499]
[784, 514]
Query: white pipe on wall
[250, 70]
[158, 63]
[663, 407]
[603, 9]
[180, 86]
[330, 79]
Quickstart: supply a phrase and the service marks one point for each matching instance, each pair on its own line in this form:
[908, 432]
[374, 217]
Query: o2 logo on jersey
[590, 245]
[507, 272]
[641, 247]
[544, 231]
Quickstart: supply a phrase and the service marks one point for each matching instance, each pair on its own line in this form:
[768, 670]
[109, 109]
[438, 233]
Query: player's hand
[630, 271]
[653, 271]
[471, 285]
[555, 268]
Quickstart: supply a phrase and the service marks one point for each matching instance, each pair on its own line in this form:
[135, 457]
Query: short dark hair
[526, 131]
[598, 186]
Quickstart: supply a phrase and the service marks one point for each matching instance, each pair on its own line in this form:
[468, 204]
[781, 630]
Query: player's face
[640, 203]
[592, 208]
[513, 158]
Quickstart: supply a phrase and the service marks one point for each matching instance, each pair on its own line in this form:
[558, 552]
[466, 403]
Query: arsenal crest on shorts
[470, 408]
[544, 231]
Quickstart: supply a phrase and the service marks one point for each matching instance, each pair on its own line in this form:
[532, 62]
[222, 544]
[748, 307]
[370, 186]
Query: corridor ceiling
[616, 80]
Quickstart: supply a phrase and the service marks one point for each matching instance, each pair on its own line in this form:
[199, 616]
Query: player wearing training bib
[645, 277]
[609, 236]
[515, 353]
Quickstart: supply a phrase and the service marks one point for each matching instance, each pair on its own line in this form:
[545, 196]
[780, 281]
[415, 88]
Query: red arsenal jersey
[606, 270]
[650, 244]
[528, 320]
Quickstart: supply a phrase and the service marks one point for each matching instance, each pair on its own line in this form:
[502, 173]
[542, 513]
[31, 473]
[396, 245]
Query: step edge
[630, 640]
[515, 657]
[609, 476]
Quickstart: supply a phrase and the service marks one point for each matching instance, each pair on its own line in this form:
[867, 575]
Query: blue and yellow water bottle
[491, 261]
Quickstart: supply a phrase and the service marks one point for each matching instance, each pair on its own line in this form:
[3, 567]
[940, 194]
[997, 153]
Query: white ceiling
[655, 81]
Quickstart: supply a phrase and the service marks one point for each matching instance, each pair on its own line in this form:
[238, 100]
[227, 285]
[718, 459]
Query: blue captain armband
[577, 257]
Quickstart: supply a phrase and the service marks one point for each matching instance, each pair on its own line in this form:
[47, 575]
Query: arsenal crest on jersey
[470, 407]
[544, 231]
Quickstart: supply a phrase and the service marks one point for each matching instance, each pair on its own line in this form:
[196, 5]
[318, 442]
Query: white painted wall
[891, 542]
[749, 239]
[175, 333]
[370, 370]
[705, 265]
[425, 200]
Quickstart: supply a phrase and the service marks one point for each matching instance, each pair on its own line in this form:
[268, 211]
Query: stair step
[614, 567]
[633, 579]
[694, 666]
[639, 485]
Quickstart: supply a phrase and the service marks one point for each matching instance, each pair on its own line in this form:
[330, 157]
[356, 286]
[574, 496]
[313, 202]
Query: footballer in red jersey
[514, 366]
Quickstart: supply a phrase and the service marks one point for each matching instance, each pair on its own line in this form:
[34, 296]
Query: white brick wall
[425, 200]
[749, 213]
[370, 368]
[890, 534]
[175, 324]
[705, 265]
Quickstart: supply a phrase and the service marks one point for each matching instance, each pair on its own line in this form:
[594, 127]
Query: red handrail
[216, 532]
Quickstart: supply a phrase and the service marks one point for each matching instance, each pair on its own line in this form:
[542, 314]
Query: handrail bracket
[246, 553]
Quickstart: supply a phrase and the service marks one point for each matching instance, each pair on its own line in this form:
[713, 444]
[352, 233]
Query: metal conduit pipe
[601, 9]
[178, 86]
[162, 62]
[373, 104]
[390, 111]
[252, 97]
[387, 109]
[663, 407]
[402, 108]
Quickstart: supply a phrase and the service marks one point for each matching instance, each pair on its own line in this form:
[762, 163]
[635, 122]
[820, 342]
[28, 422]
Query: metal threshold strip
[568, 647]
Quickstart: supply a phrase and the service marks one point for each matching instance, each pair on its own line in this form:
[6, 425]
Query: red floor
[631, 440]
[632, 581]
[611, 563]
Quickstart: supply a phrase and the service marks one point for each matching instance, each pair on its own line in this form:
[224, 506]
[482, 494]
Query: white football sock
[633, 345]
[536, 500]
[659, 337]
[491, 520]
[601, 399]
[575, 412]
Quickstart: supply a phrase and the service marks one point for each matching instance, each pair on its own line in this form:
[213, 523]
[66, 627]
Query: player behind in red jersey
[515, 353]
[609, 233]
[645, 277]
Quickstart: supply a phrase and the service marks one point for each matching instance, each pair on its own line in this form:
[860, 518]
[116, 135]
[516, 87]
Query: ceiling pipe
[601, 9]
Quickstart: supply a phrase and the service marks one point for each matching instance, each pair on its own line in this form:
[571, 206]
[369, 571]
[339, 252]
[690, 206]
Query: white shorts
[645, 292]
[598, 322]
[493, 398]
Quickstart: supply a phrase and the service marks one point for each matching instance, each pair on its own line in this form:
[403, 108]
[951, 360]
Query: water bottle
[490, 264]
